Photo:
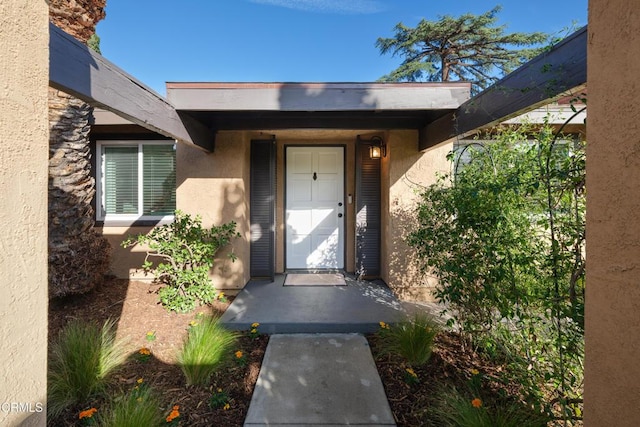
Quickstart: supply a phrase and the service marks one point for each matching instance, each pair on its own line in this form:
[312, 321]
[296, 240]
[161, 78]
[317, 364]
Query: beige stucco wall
[216, 187]
[24, 74]
[125, 263]
[405, 171]
[612, 371]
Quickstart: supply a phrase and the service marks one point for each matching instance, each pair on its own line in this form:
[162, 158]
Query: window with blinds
[138, 180]
[158, 180]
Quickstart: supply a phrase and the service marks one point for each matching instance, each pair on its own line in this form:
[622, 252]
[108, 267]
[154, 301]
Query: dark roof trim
[77, 70]
[310, 85]
[554, 73]
[317, 97]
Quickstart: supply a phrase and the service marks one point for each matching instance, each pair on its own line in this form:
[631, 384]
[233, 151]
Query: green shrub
[207, 346]
[140, 407]
[505, 237]
[80, 360]
[186, 251]
[411, 340]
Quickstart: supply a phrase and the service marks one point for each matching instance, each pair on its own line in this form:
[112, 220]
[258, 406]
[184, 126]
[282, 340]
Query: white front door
[315, 207]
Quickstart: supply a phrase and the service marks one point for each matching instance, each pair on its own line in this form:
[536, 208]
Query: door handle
[315, 176]
[339, 215]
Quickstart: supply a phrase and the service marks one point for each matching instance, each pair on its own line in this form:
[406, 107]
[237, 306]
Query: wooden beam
[561, 69]
[77, 70]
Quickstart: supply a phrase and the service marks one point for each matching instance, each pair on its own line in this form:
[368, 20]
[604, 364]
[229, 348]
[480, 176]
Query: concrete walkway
[319, 380]
[318, 369]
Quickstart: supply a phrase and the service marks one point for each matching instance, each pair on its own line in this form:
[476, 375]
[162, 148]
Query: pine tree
[465, 48]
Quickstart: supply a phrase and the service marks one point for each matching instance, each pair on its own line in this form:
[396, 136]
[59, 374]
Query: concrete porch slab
[355, 308]
[318, 380]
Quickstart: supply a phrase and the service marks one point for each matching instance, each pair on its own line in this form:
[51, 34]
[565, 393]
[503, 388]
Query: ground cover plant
[453, 385]
[224, 401]
[505, 237]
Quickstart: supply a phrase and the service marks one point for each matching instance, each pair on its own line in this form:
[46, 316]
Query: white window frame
[124, 219]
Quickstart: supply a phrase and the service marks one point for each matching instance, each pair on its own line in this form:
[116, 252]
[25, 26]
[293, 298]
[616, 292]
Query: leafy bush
[476, 235]
[207, 346]
[531, 354]
[187, 253]
[140, 407]
[505, 236]
[80, 360]
[411, 340]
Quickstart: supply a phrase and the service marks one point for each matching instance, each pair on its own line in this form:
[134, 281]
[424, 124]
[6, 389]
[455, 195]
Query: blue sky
[288, 40]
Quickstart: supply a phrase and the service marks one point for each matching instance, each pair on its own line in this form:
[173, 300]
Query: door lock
[339, 215]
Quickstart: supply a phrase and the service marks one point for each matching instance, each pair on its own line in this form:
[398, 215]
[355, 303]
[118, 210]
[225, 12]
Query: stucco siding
[612, 371]
[406, 172]
[23, 212]
[126, 262]
[216, 187]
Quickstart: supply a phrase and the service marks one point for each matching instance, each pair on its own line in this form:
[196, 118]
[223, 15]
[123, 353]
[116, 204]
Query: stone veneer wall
[24, 73]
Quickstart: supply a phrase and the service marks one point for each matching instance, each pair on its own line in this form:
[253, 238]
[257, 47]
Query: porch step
[358, 307]
[318, 380]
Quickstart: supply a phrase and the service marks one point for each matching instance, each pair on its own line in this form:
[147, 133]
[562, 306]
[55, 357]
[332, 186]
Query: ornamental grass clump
[207, 346]
[139, 407]
[80, 361]
[454, 408]
[412, 340]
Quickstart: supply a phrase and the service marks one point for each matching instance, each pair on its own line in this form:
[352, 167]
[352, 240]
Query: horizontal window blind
[159, 179]
[120, 180]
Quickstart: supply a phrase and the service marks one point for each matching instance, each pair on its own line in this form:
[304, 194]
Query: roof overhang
[254, 106]
[83, 73]
[195, 111]
[560, 71]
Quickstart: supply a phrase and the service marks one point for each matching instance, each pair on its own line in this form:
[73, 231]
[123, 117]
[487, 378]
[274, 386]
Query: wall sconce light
[377, 147]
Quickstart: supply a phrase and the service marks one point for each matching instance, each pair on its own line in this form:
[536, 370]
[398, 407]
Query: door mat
[315, 280]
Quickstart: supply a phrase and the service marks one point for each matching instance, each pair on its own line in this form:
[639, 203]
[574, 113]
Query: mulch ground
[450, 366]
[134, 305]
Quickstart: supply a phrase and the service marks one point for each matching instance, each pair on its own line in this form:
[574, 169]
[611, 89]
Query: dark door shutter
[368, 211]
[262, 208]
